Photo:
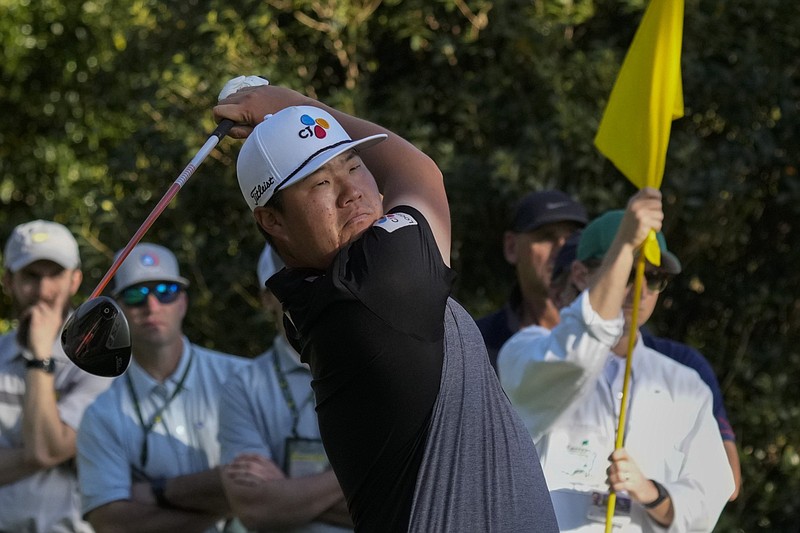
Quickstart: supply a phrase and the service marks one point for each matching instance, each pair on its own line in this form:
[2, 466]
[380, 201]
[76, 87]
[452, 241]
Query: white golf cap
[268, 264]
[41, 240]
[288, 146]
[147, 262]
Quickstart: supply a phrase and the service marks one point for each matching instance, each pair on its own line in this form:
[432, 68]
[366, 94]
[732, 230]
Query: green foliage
[105, 101]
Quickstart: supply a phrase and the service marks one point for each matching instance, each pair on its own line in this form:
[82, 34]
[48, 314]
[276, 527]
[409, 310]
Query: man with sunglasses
[563, 292]
[566, 383]
[42, 395]
[148, 454]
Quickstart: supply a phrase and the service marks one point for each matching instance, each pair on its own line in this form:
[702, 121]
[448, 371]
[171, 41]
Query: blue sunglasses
[165, 293]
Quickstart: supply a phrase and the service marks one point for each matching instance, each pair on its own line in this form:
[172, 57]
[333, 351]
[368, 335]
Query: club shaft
[222, 129]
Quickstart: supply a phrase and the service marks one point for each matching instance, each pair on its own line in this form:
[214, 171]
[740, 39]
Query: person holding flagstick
[567, 383]
[634, 133]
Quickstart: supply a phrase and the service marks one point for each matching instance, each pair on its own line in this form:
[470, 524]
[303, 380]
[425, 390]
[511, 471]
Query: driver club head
[97, 338]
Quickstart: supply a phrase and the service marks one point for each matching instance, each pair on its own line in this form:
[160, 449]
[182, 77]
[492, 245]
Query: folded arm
[261, 497]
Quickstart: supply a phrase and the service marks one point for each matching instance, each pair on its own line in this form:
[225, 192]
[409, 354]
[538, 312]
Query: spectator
[563, 292]
[268, 425]
[415, 425]
[567, 383]
[148, 454]
[542, 222]
[42, 395]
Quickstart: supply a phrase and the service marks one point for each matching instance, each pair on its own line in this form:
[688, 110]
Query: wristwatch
[48, 365]
[662, 495]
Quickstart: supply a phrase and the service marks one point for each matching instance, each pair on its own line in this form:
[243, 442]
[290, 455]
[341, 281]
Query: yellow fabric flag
[646, 98]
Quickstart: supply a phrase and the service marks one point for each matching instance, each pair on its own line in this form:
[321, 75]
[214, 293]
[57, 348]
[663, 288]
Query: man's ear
[510, 247]
[75, 282]
[271, 221]
[580, 275]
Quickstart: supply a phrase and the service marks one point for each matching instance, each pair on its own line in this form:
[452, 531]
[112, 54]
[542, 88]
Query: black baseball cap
[567, 254]
[546, 207]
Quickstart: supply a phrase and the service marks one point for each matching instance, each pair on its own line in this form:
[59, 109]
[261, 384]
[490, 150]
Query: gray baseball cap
[147, 262]
[41, 240]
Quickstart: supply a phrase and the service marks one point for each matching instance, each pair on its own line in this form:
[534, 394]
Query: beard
[23, 314]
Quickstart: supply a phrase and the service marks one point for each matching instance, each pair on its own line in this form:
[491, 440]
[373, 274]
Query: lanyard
[287, 393]
[157, 415]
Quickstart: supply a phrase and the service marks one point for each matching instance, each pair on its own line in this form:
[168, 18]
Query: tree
[105, 101]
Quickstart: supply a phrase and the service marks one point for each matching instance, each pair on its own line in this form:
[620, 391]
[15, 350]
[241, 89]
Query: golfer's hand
[248, 106]
[624, 475]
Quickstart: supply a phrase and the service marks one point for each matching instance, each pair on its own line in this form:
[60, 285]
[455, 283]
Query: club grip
[223, 128]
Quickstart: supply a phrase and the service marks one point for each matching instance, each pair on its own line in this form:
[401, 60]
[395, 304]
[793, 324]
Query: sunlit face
[324, 212]
[647, 304]
[155, 324]
[647, 301]
[41, 281]
[534, 252]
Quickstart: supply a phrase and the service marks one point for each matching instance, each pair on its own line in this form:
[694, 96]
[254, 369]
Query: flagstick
[623, 410]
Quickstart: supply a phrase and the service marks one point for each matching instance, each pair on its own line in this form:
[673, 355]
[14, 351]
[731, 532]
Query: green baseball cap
[597, 237]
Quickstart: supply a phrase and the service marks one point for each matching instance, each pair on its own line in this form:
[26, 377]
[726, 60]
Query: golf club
[96, 337]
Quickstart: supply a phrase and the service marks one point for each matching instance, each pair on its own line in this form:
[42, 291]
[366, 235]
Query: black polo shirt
[371, 328]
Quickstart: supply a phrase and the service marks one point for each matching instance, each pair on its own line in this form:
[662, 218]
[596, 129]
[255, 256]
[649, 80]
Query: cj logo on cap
[313, 127]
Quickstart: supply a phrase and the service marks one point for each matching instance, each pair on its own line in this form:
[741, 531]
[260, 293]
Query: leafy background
[103, 102]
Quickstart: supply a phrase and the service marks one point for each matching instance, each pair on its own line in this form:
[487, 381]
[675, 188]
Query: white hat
[41, 240]
[268, 264]
[288, 146]
[147, 262]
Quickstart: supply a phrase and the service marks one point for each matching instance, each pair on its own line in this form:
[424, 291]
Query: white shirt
[47, 500]
[564, 383]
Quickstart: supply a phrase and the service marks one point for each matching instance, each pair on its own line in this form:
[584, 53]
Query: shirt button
[619, 396]
[180, 430]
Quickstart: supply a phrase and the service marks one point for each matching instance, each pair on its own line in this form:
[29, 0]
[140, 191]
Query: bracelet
[159, 487]
[662, 495]
[48, 365]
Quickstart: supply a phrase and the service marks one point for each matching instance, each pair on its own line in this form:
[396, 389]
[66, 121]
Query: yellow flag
[646, 98]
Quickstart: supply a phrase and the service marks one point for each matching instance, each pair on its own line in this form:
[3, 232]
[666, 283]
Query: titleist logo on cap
[260, 189]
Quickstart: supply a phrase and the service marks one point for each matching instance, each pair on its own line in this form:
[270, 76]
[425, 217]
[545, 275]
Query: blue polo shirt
[111, 438]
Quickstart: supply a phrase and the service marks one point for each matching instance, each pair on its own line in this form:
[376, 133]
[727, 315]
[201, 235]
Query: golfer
[416, 427]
